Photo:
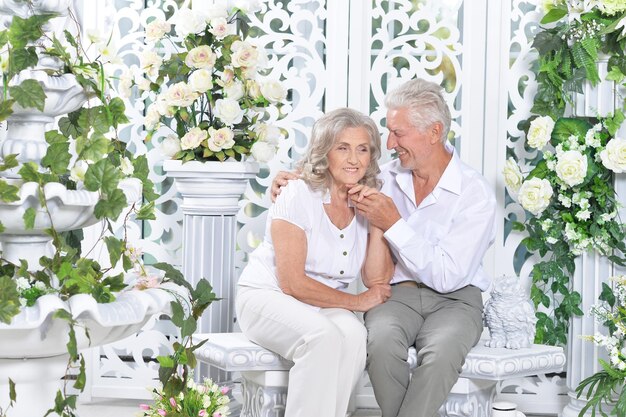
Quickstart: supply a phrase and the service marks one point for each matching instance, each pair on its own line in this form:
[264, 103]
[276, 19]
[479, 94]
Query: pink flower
[216, 414]
[144, 406]
[173, 402]
[202, 413]
[161, 412]
[224, 390]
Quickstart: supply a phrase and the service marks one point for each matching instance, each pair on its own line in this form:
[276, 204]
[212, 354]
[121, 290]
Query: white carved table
[265, 374]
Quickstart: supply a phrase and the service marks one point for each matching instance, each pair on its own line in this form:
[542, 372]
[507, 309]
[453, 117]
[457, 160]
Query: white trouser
[327, 347]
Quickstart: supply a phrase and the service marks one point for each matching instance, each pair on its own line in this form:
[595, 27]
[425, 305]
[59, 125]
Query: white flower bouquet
[605, 388]
[211, 90]
[197, 400]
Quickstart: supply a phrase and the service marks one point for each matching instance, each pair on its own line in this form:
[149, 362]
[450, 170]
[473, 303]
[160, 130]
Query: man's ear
[436, 130]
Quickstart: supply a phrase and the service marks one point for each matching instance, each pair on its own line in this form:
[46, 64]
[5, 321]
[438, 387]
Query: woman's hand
[374, 296]
[359, 191]
[280, 180]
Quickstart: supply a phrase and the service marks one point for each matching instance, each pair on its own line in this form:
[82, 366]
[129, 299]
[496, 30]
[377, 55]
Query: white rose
[125, 84]
[200, 57]
[150, 63]
[188, 22]
[540, 131]
[170, 146]
[77, 173]
[244, 54]
[273, 91]
[22, 283]
[201, 80]
[193, 138]
[142, 83]
[512, 175]
[263, 151]
[248, 6]
[267, 133]
[163, 105]
[152, 117]
[234, 90]
[551, 240]
[219, 27]
[254, 89]
[565, 200]
[156, 29]
[614, 155]
[228, 111]
[127, 166]
[220, 139]
[535, 194]
[180, 95]
[571, 167]
[227, 76]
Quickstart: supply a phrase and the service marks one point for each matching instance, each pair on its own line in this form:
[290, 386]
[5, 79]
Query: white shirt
[334, 256]
[442, 242]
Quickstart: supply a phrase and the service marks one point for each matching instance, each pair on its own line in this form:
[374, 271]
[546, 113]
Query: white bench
[265, 374]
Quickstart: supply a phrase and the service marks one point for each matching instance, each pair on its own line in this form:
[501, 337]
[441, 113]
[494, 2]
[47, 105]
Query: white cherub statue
[509, 315]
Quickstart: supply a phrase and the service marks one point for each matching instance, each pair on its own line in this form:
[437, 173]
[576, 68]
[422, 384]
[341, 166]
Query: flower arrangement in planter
[206, 81]
[199, 400]
[568, 190]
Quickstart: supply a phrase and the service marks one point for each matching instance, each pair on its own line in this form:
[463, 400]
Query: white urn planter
[33, 351]
[211, 193]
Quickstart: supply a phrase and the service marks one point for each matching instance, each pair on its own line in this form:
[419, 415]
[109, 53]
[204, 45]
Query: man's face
[412, 146]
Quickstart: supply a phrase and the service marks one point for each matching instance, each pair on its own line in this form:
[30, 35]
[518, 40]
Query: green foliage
[9, 299]
[603, 392]
[28, 94]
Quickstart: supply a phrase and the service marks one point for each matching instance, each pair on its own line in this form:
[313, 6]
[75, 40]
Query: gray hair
[314, 165]
[425, 102]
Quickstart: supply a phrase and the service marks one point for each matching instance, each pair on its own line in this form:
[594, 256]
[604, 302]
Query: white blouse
[334, 256]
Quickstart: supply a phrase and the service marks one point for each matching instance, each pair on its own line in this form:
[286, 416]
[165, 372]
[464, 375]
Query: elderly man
[438, 217]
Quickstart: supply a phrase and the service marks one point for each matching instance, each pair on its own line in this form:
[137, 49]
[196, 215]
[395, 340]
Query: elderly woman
[292, 296]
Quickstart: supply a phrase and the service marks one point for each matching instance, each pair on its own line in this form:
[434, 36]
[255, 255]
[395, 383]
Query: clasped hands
[378, 208]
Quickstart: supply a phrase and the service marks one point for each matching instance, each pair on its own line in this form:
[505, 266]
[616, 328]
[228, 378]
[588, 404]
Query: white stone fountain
[33, 350]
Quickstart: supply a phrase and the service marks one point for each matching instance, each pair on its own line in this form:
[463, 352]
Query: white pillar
[211, 193]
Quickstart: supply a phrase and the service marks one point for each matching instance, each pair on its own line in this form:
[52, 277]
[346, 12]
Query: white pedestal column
[211, 193]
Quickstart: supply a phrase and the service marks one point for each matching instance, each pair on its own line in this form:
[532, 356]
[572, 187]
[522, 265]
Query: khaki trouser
[442, 327]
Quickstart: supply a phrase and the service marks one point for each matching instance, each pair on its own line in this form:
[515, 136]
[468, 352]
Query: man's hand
[379, 209]
[374, 296]
[280, 180]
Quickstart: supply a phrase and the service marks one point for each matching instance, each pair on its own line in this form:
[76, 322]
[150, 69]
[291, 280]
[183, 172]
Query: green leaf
[54, 136]
[607, 295]
[615, 75]
[117, 110]
[8, 192]
[102, 175]
[12, 393]
[30, 172]
[57, 158]
[22, 59]
[23, 31]
[29, 94]
[564, 127]
[114, 246]
[6, 109]
[81, 378]
[146, 212]
[92, 148]
[518, 226]
[9, 299]
[554, 15]
[165, 361]
[112, 206]
[29, 218]
[615, 122]
[173, 275]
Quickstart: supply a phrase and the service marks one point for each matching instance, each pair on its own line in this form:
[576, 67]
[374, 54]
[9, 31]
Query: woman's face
[350, 156]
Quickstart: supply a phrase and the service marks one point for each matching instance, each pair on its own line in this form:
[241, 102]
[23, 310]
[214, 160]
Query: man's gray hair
[314, 165]
[425, 102]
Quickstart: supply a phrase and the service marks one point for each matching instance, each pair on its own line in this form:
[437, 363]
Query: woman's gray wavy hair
[314, 165]
[425, 102]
